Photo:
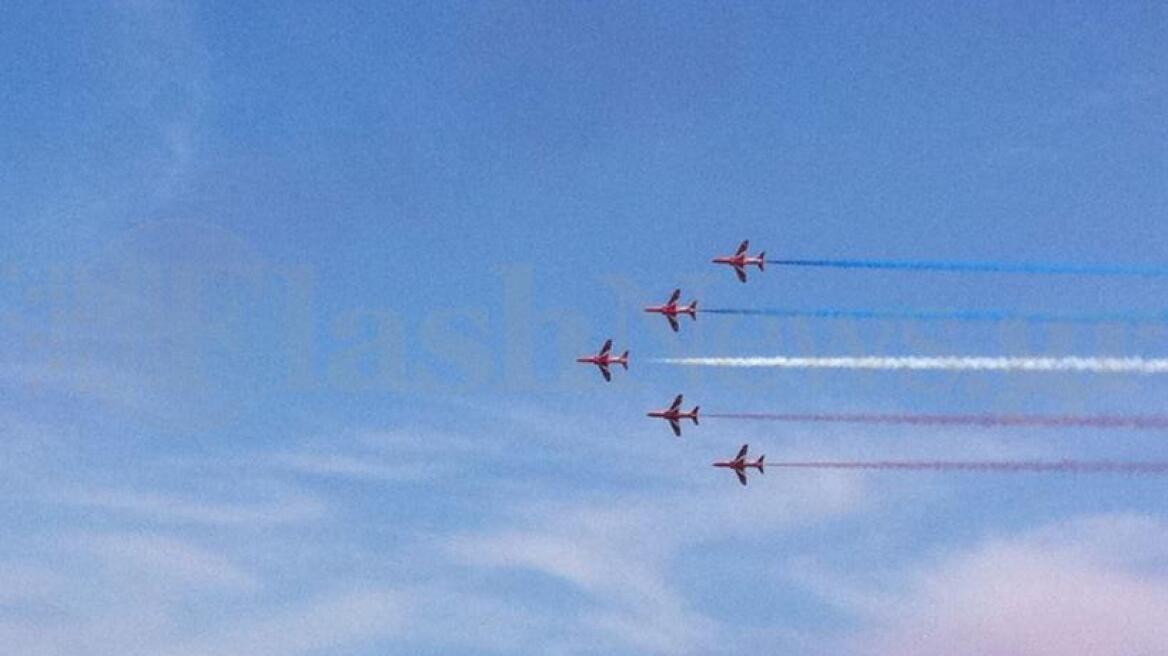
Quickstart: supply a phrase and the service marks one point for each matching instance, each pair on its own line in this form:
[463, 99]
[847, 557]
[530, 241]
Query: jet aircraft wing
[741, 453]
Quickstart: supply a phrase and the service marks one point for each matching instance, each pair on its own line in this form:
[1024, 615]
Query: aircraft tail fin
[693, 310]
[624, 360]
[761, 464]
[695, 414]
[762, 261]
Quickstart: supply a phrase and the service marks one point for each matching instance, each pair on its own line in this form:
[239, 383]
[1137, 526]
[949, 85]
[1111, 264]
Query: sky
[290, 296]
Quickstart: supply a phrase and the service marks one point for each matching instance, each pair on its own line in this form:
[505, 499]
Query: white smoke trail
[948, 363]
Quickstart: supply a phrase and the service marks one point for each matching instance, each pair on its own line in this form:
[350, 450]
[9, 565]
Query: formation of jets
[674, 415]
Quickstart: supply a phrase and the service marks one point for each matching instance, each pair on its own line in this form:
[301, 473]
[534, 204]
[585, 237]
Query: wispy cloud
[24, 584]
[162, 76]
[164, 560]
[167, 509]
[329, 623]
[1078, 587]
[330, 465]
[382, 456]
[620, 555]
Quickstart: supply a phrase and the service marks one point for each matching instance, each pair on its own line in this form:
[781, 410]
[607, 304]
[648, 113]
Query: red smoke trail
[983, 267]
[1135, 422]
[990, 466]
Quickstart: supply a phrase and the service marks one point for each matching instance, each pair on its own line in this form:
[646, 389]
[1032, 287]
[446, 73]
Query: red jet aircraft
[674, 414]
[672, 309]
[606, 358]
[739, 464]
[740, 260]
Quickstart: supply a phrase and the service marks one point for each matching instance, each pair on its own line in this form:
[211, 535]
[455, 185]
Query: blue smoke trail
[950, 315]
[981, 267]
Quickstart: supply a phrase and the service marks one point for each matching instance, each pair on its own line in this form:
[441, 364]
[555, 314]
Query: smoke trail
[980, 267]
[954, 315]
[990, 466]
[1063, 364]
[1136, 422]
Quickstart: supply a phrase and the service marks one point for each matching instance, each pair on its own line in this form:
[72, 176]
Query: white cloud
[449, 615]
[330, 623]
[1082, 587]
[389, 456]
[361, 467]
[620, 554]
[165, 561]
[285, 509]
[28, 584]
[112, 593]
[159, 595]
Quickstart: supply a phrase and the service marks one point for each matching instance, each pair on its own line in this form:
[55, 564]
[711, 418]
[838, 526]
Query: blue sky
[289, 298]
